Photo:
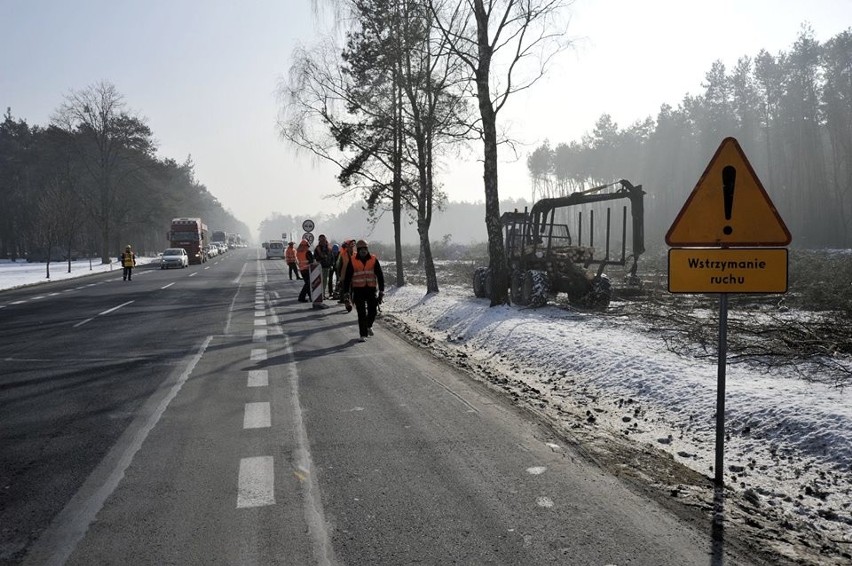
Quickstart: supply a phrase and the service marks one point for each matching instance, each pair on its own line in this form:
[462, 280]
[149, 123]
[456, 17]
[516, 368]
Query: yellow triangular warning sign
[728, 207]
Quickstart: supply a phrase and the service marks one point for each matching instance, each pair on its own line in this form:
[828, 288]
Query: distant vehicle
[174, 257]
[219, 236]
[191, 235]
[275, 249]
[212, 250]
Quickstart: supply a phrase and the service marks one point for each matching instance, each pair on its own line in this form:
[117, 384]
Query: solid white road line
[314, 515]
[56, 544]
[257, 482]
[258, 378]
[257, 415]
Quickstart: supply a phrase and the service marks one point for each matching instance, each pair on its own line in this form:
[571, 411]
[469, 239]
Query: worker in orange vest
[364, 277]
[304, 257]
[342, 264]
[290, 258]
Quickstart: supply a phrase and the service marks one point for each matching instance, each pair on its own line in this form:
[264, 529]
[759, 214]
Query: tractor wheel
[601, 293]
[488, 283]
[479, 282]
[536, 288]
[516, 288]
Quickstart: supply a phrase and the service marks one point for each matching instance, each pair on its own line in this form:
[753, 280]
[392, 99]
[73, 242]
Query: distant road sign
[308, 225]
[309, 237]
[728, 270]
[728, 207]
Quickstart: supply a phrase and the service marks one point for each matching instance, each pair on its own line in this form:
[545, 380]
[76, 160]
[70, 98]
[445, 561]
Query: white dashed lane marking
[257, 482]
[257, 415]
[258, 378]
[259, 335]
[258, 355]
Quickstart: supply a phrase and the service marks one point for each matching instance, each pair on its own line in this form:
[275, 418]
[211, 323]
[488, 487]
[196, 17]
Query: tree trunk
[496, 253]
[397, 184]
[428, 260]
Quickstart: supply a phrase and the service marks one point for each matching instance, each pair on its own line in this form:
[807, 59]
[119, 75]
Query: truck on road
[191, 235]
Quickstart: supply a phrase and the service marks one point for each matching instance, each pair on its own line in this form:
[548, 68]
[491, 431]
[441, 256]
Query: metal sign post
[730, 233]
[719, 478]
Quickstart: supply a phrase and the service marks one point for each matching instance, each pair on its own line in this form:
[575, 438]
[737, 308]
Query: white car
[275, 249]
[174, 257]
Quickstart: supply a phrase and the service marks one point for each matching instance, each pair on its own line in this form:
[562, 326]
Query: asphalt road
[204, 416]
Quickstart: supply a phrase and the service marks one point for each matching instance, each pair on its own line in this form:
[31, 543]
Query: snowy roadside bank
[22, 274]
[789, 446]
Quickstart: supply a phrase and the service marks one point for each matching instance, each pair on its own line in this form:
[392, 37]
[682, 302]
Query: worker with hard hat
[364, 277]
[128, 262]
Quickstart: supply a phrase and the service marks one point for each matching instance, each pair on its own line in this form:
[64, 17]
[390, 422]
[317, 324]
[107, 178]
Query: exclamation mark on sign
[729, 177]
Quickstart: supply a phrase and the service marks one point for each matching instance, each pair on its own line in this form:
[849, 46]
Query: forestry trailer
[551, 248]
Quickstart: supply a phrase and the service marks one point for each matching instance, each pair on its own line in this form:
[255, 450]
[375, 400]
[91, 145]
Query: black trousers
[128, 273]
[366, 305]
[293, 269]
[305, 294]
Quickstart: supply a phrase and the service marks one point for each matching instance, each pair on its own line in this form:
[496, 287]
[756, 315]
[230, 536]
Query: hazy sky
[205, 74]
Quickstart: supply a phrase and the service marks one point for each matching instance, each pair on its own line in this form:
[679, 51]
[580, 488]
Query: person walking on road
[342, 265]
[290, 258]
[322, 255]
[364, 276]
[305, 258]
[128, 262]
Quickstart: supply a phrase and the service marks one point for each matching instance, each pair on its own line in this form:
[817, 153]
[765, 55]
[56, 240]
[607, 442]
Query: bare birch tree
[506, 46]
[106, 137]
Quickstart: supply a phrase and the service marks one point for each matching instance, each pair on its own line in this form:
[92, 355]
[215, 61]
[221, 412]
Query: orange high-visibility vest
[344, 261]
[290, 254]
[363, 274]
[302, 257]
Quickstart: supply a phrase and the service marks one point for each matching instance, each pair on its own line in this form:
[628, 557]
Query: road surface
[204, 416]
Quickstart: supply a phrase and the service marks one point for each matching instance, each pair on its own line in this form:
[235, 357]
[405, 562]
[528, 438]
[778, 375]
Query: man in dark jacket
[364, 276]
[322, 255]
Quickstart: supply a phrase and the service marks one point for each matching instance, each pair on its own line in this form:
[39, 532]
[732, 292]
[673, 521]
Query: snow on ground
[20, 273]
[790, 441]
[789, 446]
